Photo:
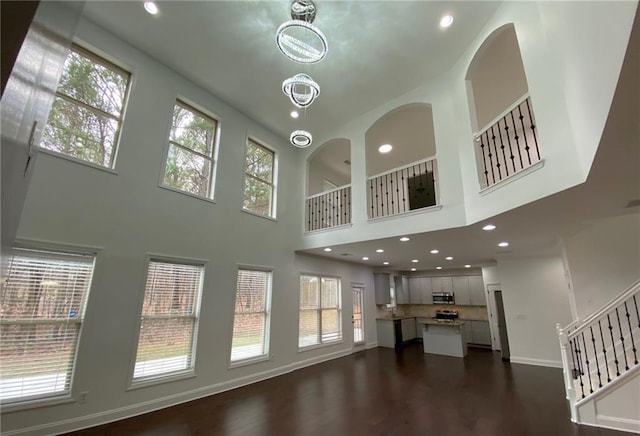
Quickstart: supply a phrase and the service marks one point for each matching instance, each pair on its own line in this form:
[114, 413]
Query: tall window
[320, 320]
[166, 343]
[258, 184]
[190, 165]
[251, 319]
[86, 115]
[42, 309]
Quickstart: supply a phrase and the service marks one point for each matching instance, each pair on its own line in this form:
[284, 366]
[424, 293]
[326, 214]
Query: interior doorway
[498, 321]
[357, 318]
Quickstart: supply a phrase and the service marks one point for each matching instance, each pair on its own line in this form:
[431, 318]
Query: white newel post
[567, 370]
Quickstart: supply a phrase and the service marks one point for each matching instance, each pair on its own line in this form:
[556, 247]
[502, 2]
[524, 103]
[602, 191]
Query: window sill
[259, 215]
[188, 194]
[152, 381]
[318, 346]
[76, 160]
[249, 361]
[37, 403]
[512, 178]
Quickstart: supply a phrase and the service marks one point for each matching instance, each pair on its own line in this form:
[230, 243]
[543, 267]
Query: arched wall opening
[329, 166]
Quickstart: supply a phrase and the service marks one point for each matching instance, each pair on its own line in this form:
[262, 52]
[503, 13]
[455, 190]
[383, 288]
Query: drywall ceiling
[377, 51]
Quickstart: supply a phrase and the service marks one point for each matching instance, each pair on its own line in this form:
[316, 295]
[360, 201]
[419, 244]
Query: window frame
[272, 184]
[267, 320]
[141, 382]
[106, 61]
[58, 250]
[199, 110]
[319, 309]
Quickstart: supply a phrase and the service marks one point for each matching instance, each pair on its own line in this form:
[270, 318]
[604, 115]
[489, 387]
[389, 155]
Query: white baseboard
[107, 416]
[537, 362]
[372, 345]
[614, 423]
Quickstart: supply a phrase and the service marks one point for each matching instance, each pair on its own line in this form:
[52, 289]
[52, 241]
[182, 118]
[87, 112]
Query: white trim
[250, 212]
[249, 361]
[328, 229]
[393, 170]
[372, 345]
[18, 406]
[536, 362]
[69, 158]
[348, 185]
[614, 423]
[190, 194]
[610, 386]
[161, 379]
[322, 344]
[434, 208]
[503, 114]
[512, 178]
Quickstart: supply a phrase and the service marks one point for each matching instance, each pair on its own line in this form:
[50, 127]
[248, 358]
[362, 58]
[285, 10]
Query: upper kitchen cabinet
[402, 290]
[382, 284]
[415, 290]
[477, 295]
[441, 284]
[461, 290]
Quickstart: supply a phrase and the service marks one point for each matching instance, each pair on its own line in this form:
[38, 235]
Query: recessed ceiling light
[438, 267]
[434, 252]
[379, 250]
[446, 21]
[151, 7]
[414, 260]
[449, 257]
[413, 269]
[385, 148]
[503, 244]
[365, 258]
[404, 238]
[467, 266]
[327, 249]
[385, 263]
[489, 227]
[294, 114]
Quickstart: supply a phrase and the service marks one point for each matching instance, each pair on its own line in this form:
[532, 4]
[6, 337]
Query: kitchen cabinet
[441, 284]
[477, 332]
[461, 290]
[386, 336]
[408, 329]
[415, 290]
[426, 290]
[402, 290]
[382, 286]
[477, 296]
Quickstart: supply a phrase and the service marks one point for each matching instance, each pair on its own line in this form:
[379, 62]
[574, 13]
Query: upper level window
[190, 159]
[42, 309]
[259, 187]
[166, 342]
[86, 116]
[320, 310]
[251, 319]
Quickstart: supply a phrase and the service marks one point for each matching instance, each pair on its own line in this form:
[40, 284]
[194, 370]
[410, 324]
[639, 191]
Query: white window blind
[42, 309]
[320, 320]
[189, 165]
[169, 319]
[258, 184]
[251, 319]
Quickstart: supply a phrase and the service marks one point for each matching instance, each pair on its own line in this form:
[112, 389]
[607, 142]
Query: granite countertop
[442, 323]
[392, 318]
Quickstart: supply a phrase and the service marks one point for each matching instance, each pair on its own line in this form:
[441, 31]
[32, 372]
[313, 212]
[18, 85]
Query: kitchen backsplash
[429, 311]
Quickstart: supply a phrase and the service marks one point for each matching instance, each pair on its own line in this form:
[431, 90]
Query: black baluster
[533, 126]
[586, 361]
[336, 207]
[377, 201]
[495, 153]
[393, 203]
[484, 160]
[517, 138]
[404, 188]
[502, 147]
[511, 156]
[613, 345]
[322, 211]
[635, 303]
[576, 365]
[344, 205]
[633, 342]
[604, 351]
[386, 194]
[524, 133]
[595, 353]
[624, 349]
[576, 344]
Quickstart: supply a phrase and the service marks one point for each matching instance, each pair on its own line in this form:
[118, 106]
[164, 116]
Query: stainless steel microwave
[443, 298]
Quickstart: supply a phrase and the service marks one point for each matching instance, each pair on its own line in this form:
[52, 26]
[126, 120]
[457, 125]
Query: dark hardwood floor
[379, 392]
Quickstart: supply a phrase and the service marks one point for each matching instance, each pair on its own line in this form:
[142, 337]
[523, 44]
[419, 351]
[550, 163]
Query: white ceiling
[377, 51]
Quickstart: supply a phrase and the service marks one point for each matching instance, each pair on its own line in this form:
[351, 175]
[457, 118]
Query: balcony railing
[403, 189]
[328, 209]
[508, 144]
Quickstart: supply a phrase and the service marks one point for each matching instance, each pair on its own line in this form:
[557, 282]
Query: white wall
[535, 298]
[604, 260]
[127, 216]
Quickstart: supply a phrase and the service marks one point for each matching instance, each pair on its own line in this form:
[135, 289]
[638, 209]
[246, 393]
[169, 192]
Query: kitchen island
[443, 337]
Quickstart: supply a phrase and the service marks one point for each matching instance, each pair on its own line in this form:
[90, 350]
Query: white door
[358, 319]
[493, 316]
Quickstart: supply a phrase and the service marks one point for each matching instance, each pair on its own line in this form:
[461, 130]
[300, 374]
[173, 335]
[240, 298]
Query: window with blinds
[320, 310]
[42, 309]
[251, 318]
[259, 183]
[85, 119]
[190, 159]
[169, 321]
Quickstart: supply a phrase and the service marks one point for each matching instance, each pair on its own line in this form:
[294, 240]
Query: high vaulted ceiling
[377, 51]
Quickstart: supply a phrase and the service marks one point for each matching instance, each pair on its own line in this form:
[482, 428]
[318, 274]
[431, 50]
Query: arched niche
[409, 129]
[495, 78]
[329, 166]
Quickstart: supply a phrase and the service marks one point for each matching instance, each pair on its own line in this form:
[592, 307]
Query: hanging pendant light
[298, 39]
[301, 138]
[301, 89]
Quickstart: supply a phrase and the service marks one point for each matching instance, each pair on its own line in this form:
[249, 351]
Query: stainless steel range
[445, 315]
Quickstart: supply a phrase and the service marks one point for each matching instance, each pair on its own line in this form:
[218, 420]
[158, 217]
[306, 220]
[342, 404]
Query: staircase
[600, 359]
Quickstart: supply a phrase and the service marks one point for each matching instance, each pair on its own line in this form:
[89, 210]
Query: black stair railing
[328, 209]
